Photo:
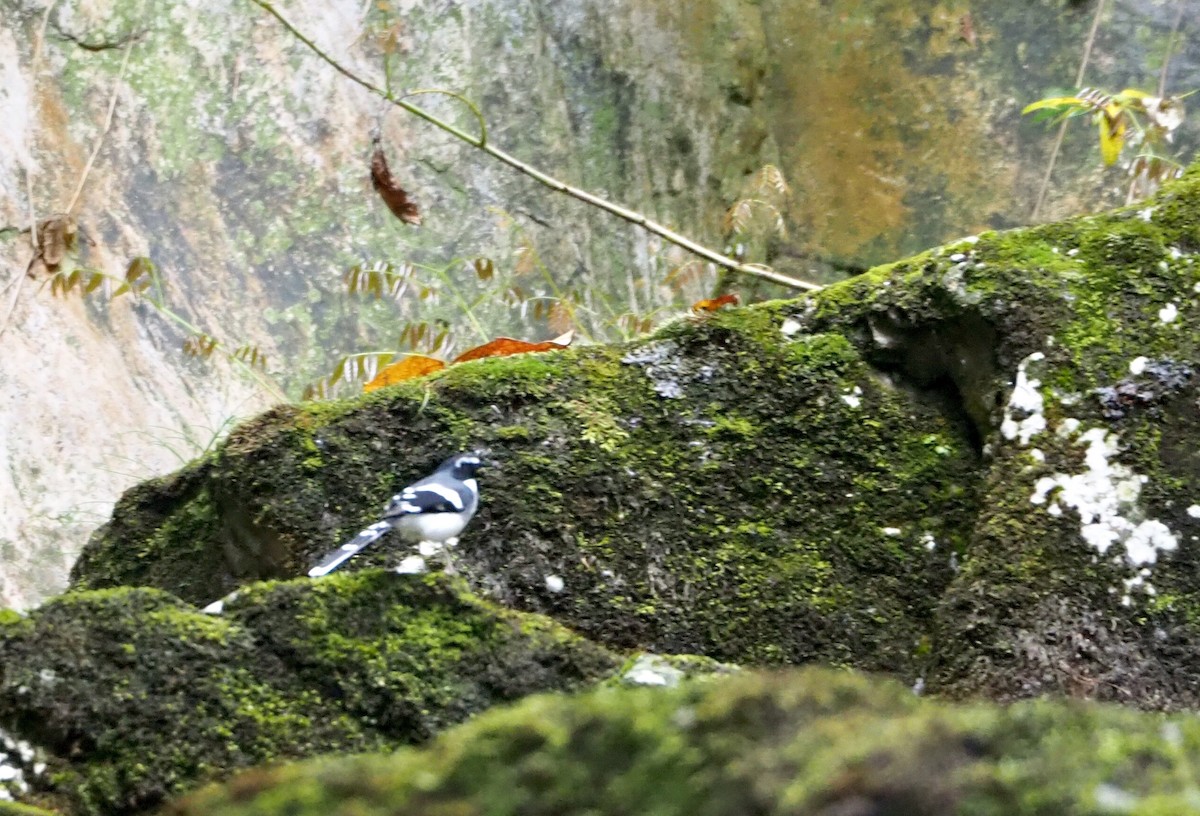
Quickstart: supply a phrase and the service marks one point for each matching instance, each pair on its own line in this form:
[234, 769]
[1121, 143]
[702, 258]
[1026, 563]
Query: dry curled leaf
[504, 346]
[200, 345]
[411, 367]
[484, 268]
[712, 304]
[56, 237]
[393, 195]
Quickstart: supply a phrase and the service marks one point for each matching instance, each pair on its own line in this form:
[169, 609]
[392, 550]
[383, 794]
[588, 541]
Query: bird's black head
[463, 465]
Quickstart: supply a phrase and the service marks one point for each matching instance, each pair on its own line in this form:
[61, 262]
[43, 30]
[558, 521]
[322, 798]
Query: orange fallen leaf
[504, 346]
[411, 367]
[712, 304]
[393, 195]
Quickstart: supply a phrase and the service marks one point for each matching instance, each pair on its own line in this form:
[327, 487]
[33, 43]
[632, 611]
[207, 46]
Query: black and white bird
[434, 509]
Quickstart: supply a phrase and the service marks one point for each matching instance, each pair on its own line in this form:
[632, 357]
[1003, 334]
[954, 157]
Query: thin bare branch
[549, 181]
[1162, 77]
[112, 106]
[1062, 129]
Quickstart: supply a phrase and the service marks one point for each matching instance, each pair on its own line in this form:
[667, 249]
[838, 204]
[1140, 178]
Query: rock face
[237, 162]
[806, 742]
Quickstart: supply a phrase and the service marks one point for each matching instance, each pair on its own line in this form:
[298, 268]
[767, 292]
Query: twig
[33, 72]
[12, 304]
[1162, 77]
[1062, 129]
[33, 224]
[112, 106]
[41, 39]
[549, 181]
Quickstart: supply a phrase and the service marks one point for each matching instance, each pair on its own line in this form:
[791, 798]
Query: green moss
[800, 742]
[135, 696]
[17, 809]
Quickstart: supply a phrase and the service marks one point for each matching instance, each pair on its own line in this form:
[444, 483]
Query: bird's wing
[426, 497]
[355, 545]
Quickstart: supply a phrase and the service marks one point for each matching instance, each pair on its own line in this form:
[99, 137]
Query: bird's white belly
[431, 526]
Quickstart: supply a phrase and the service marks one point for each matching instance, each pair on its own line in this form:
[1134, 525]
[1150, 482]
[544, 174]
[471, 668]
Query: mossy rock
[977, 466]
[17, 809]
[720, 488]
[801, 742]
[131, 695]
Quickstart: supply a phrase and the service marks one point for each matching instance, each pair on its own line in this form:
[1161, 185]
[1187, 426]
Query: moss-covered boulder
[129, 695]
[723, 488]
[806, 742]
[976, 468]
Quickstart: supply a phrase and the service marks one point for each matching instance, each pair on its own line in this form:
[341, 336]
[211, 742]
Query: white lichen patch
[1194, 511]
[790, 327]
[890, 532]
[853, 397]
[929, 542]
[1024, 415]
[1168, 313]
[1105, 495]
[652, 670]
[1137, 365]
[15, 757]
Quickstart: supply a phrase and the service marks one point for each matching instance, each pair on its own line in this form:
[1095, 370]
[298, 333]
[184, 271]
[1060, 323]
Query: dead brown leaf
[393, 195]
[411, 367]
[504, 346]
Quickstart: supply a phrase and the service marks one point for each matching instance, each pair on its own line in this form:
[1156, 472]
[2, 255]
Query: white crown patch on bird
[434, 509]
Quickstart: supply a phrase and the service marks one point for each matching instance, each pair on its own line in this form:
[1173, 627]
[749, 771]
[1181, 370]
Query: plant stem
[1162, 77]
[1062, 129]
[112, 106]
[537, 175]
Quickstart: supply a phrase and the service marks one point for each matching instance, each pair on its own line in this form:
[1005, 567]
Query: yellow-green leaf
[1053, 102]
[1112, 136]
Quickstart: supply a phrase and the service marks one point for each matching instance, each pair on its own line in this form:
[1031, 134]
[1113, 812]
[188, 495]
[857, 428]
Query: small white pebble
[890, 531]
[1168, 313]
[1073, 252]
[958, 256]
[1146, 214]
[851, 400]
[214, 608]
[429, 548]
[790, 327]
[929, 541]
[1137, 365]
[1194, 511]
[412, 565]
[554, 583]
[1036, 455]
